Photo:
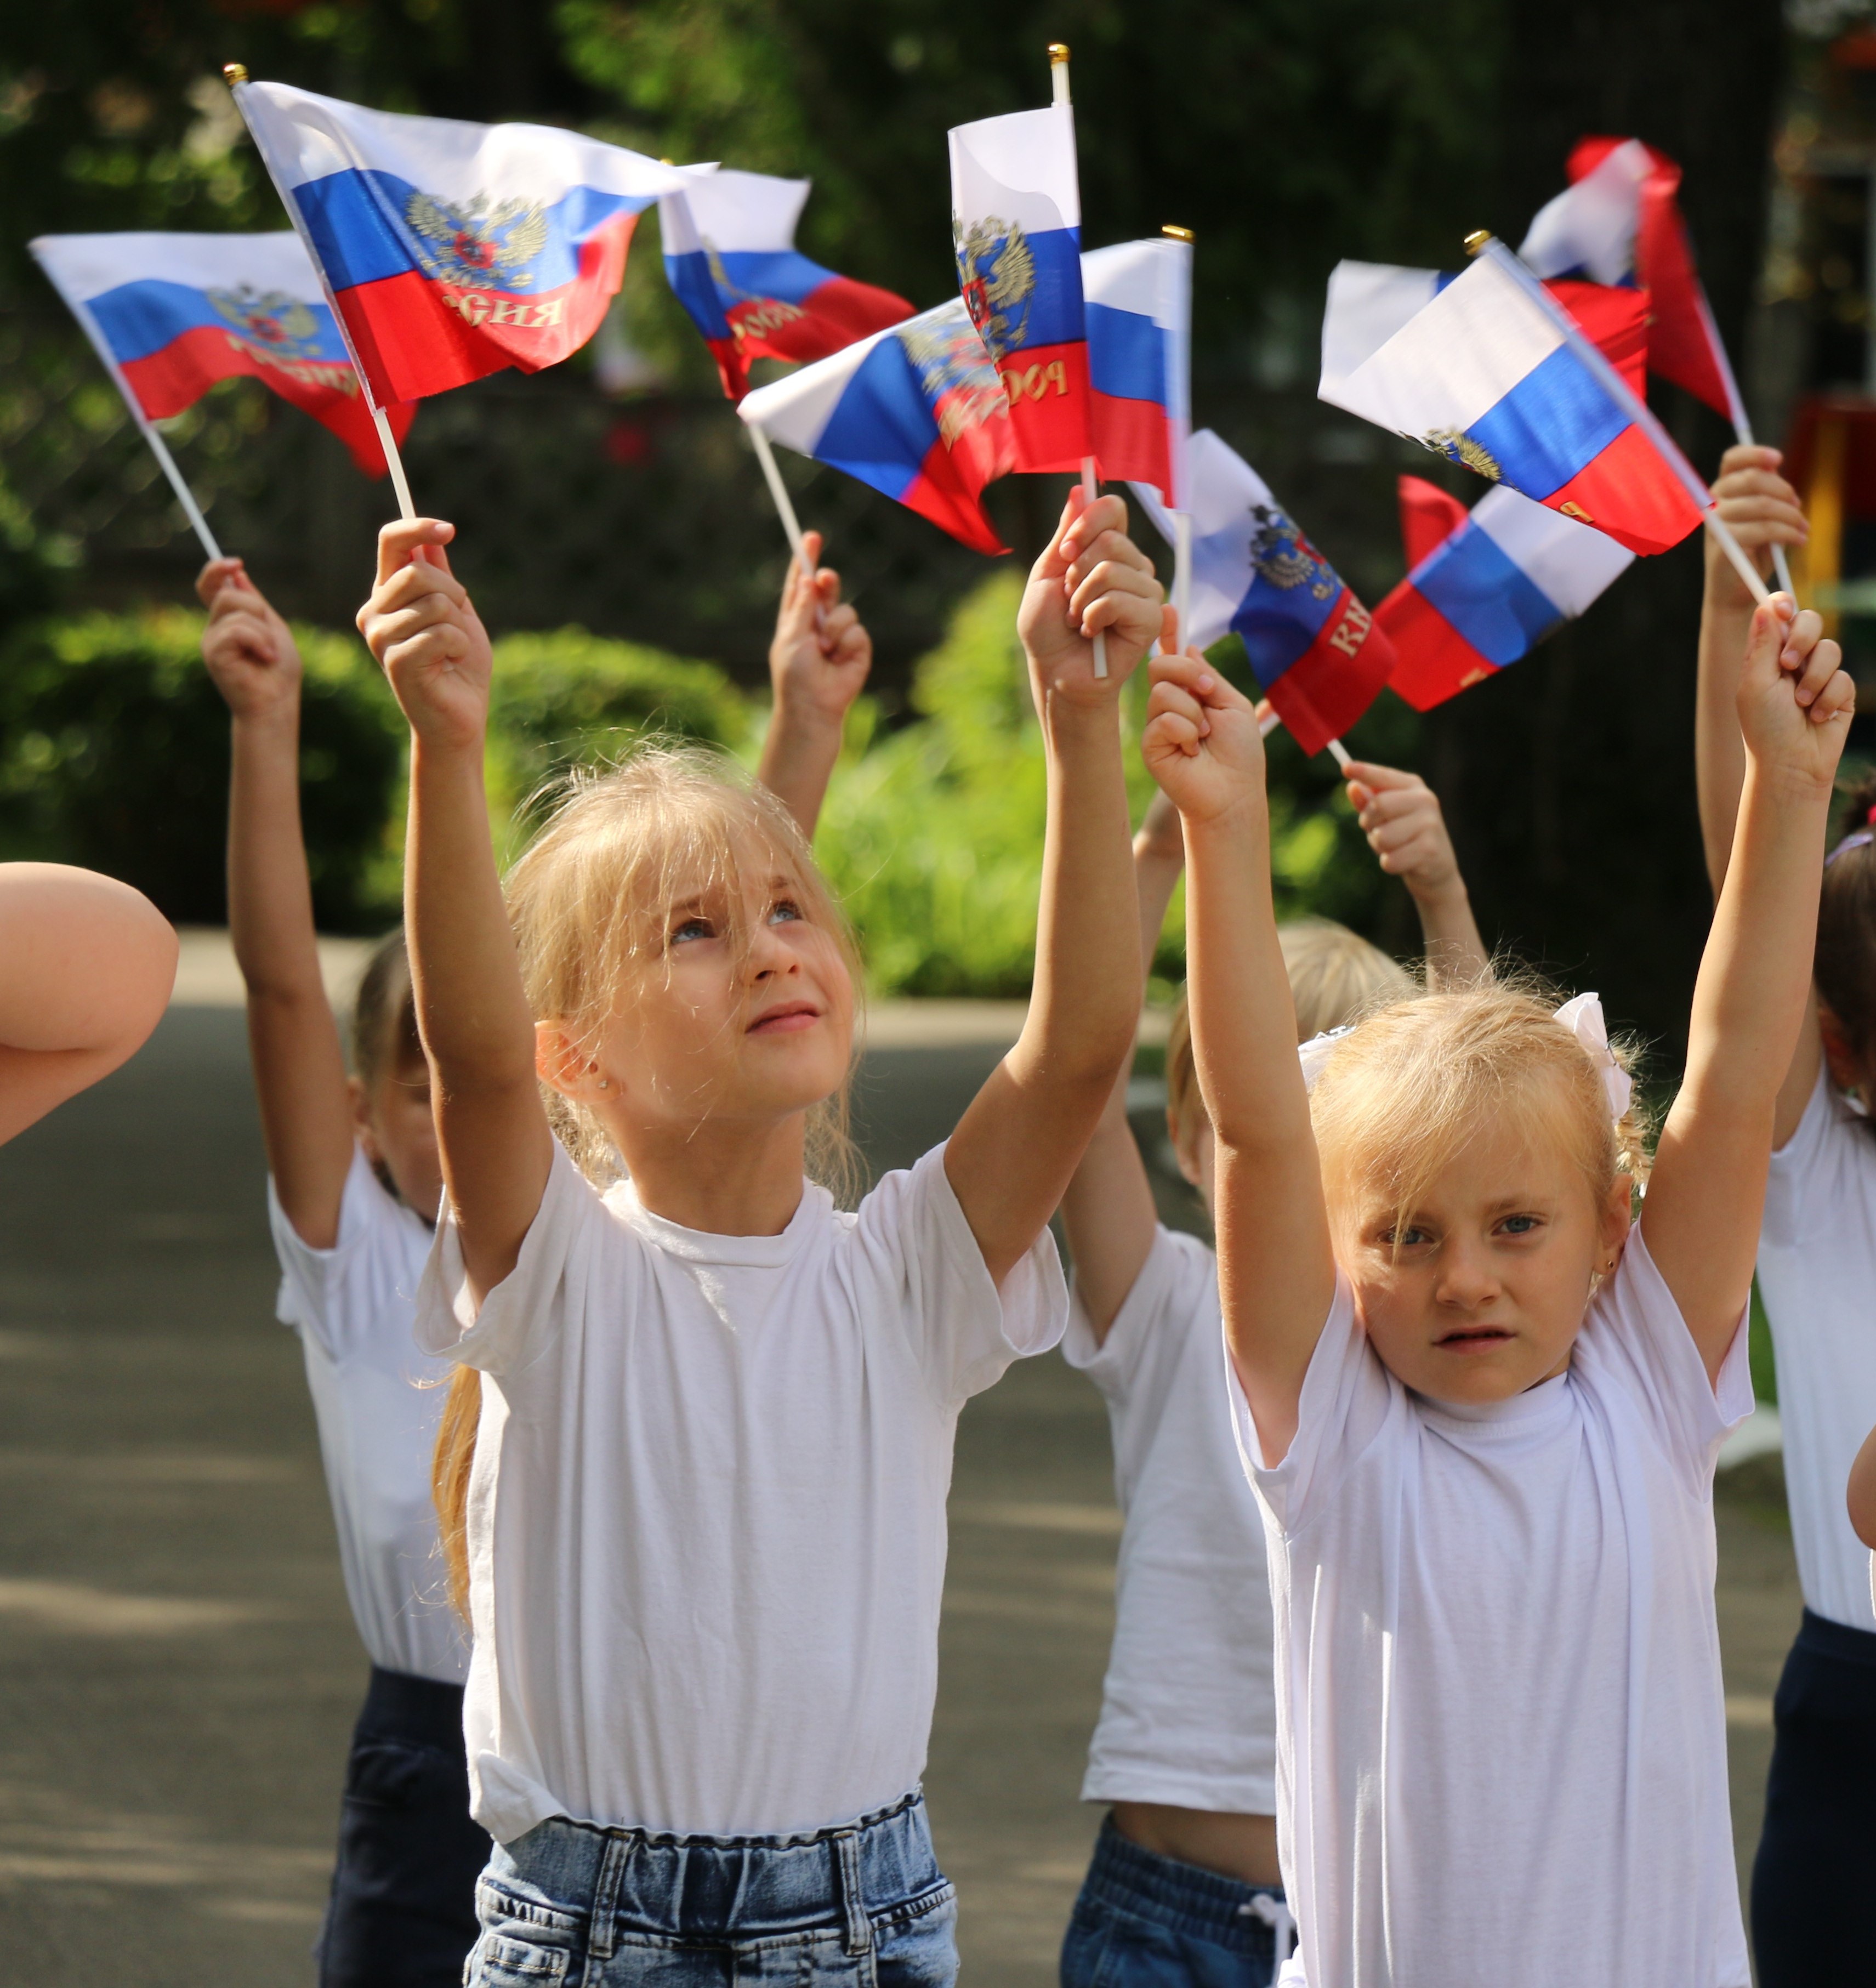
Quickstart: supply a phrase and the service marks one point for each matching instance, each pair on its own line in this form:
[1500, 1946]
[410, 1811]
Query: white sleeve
[547, 1282]
[313, 1282]
[1179, 1278]
[1794, 1206]
[1635, 1333]
[925, 1262]
[1346, 1398]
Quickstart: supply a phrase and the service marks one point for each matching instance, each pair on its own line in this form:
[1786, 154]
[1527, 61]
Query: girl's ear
[362, 1129]
[1847, 1072]
[1616, 1219]
[561, 1062]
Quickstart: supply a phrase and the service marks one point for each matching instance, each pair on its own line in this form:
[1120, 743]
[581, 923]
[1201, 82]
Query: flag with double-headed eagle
[731, 259]
[1317, 653]
[1016, 204]
[918, 412]
[1490, 369]
[172, 314]
[1619, 222]
[452, 250]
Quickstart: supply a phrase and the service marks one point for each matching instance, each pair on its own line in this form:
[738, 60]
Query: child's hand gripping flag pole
[1491, 370]
[918, 412]
[1619, 222]
[1318, 655]
[449, 251]
[1138, 307]
[1016, 227]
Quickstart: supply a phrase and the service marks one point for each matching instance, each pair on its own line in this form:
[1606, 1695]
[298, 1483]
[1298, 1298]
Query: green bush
[114, 754]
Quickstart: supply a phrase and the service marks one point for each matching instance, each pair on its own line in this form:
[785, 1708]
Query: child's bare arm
[1860, 1495]
[1400, 814]
[818, 663]
[1276, 1271]
[1762, 510]
[292, 1041]
[1707, 1192]
[86, 964]
[1108, 1213]
[1018, 1145]
[478, 1033]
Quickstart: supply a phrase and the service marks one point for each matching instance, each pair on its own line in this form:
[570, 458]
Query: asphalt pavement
[178, 1670]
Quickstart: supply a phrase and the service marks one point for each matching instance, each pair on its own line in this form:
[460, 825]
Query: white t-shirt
[377, 1400]
[706, 1515]
[1817, 1276]
[1502, 1739]
[1189, 1714]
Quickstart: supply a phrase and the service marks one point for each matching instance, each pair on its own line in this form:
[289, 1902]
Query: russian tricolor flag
[1016, 227]
[918, 412]
[172, 314]
[1138, 312]
[452, 250]
[1485, 586]
[1492, 372]
[1620, 222]
[1317, 652]
[731, 258]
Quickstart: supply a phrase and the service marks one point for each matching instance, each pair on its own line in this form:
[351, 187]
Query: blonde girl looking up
[705, 1522]
[1481, 1406]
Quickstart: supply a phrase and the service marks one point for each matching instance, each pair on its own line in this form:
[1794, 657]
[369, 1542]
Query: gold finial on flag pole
[234, 73]
[1477, 240]
[1176, 233]
[1058, 53]
[1058, 71]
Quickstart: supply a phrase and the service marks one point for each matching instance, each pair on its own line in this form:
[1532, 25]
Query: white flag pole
[236, 76]
[1631, 403]
[785, 508]
[1338, 751]
[1180, 495]
[1090, 489]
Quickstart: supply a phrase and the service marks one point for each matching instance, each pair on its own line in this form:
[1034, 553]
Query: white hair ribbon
[1583, 1018]
[1316, 1051]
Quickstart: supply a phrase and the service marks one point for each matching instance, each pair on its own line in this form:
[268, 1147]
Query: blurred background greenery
[614, 494]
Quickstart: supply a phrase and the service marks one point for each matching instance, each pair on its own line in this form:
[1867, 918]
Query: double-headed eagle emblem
[996, 272]
[1284, 556]
[1457, 446]
[481, 244]
[271, 324]
[958, 381]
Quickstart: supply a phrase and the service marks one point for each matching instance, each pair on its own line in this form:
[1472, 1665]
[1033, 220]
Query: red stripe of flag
[1048, 390]
[1435, 660]
[1336, 678]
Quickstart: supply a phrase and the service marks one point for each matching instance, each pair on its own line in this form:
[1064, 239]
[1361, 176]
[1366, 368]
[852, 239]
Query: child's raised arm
[473, 1015]
[86, 964]
[1276, 1270]
[1018, 1145]
[818, 663]
[1108, 1213]
[1762, 510]
[292, 1041]
[1400, 815]
[1707, 1191]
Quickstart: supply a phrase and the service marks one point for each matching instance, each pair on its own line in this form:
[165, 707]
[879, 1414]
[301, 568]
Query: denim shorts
[572, 1905]
[1143, 1921]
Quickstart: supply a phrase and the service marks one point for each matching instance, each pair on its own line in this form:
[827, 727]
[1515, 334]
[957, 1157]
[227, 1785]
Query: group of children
[639, 1428]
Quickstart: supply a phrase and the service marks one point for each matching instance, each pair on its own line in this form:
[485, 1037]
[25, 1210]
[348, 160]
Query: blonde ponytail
[449, 1479]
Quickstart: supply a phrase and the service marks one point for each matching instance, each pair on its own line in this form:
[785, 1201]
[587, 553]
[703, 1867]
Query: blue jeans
[1143, 1921]
[863, 1905]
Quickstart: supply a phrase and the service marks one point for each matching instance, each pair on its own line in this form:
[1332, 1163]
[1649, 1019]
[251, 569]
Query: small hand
[1202, 743]
[424, 629]
[1090, 576]
[1796, 700]
[821, 654]
[1400, 815]
[1761, 510]
[250, 652]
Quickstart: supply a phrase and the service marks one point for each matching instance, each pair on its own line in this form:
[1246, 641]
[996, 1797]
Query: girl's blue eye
[784, 911]
[1520, 1224]
[692, 928]
[1403, 1238]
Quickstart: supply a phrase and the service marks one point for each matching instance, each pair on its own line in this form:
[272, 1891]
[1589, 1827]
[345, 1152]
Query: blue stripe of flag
[1128, 354]
[356, 221]
[1550, 427]
[882, 427]
[1491, 601]
[1279, 624]
[138, 319]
